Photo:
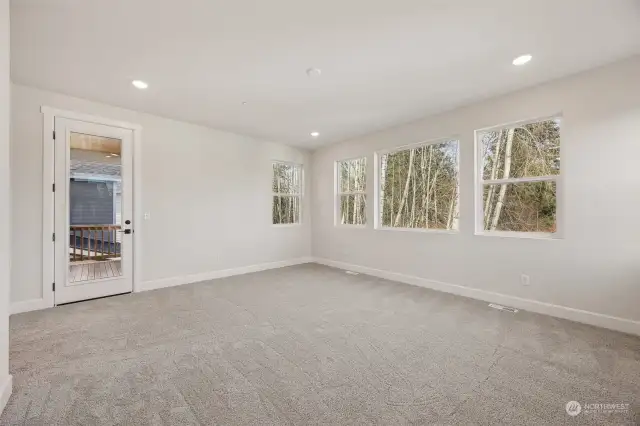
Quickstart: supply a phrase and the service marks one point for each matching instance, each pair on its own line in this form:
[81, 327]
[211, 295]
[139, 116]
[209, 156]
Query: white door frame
[48, 227]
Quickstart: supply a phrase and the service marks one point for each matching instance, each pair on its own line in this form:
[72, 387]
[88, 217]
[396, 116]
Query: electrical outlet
[525, 279]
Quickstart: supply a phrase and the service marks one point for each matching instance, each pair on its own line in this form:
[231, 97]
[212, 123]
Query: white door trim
[48, 247]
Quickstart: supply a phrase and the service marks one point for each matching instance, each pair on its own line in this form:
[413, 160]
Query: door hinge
[54, 135]
[54, 286]
[53, 237]
[53, 187]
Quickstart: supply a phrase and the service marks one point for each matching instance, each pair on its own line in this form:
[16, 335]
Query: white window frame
[377, 179]
[299, 194]
[480, 184]
[338, 194]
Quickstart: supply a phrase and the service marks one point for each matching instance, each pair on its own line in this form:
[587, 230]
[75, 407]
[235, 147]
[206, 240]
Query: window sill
[419, 230]
[524, 235]
[285, 225]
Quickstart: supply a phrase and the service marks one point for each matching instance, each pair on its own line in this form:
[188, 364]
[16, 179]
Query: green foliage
[527, 207]
[419, 187]
[286, 210]
[530, 150]
[287, 188]
[352, 185]
[353, 209]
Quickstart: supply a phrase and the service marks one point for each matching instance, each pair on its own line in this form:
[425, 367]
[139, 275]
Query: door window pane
[95, 194]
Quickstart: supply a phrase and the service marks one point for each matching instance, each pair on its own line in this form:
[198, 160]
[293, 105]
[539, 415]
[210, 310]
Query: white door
[93, 210]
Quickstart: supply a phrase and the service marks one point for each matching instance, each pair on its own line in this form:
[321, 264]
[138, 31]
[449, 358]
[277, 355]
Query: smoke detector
[314, 72]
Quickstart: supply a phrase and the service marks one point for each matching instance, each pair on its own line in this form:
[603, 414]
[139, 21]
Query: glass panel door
[93, 210]
[95, 201]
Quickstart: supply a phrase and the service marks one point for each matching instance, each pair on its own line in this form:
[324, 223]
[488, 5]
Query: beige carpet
[312, 345]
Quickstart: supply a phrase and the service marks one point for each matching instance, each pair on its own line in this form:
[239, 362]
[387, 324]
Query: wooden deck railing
[93, 242]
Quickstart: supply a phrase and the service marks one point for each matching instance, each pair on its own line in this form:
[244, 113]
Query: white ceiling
[384, 62]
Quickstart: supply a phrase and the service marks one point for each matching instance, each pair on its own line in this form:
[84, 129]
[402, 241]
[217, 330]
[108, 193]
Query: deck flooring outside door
[79, 272]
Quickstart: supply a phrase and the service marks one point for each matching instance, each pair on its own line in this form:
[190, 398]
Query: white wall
[5, 203]
[596, 267]
[208, 193]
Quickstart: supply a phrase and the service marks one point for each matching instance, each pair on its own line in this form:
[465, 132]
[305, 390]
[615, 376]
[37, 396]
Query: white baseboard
[188, 279]
[29, 305]
[578, 315]
[37, 304]
[6, 387]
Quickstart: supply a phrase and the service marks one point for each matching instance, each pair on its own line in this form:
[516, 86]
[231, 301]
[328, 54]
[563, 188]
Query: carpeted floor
[312, 345]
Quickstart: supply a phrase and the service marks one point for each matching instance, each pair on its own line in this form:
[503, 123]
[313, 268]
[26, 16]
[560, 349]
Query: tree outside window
[419, 187]
[520, 167]
[352, 186]
[287, 193]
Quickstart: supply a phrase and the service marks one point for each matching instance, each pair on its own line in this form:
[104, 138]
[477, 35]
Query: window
[287, 193]
[519, 167]
[419, 187]
[352, 198]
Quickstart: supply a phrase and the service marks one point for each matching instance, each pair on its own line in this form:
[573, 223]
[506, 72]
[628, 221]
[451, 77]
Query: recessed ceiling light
[521, 60]
[107, 156]
[115, 155]
[244, 102]
[314, 72]
[315, 134]
[140, 84]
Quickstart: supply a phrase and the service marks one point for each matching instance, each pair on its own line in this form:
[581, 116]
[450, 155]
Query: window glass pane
[296, 179]
[343, 175]
[282, 178]
[520, 207]
[287, 178]
[521, 151]
[286, 210]
[357, 176]
[419, 187]
[352, 175]
[275, 182]
[353, 209]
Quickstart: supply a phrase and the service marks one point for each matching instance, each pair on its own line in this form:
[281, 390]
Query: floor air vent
[503, 308]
